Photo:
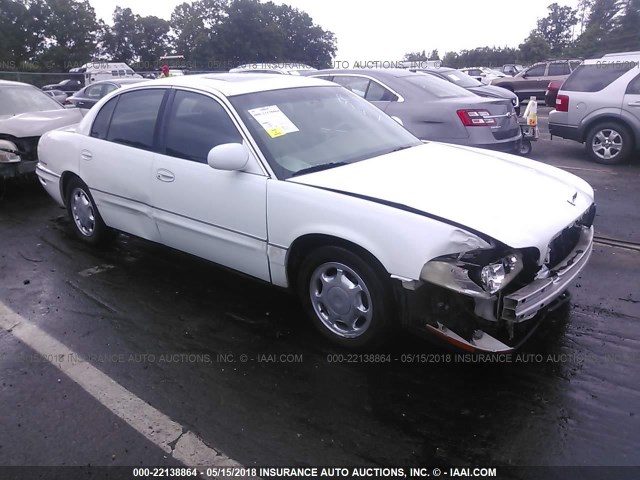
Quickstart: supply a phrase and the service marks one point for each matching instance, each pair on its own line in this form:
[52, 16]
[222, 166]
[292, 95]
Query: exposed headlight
[479, 273]
[8, 152]
[497, 275]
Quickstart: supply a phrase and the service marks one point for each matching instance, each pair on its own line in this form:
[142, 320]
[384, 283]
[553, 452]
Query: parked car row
[434, 109]
[483, 74]
[533, 81]
[465, 81]
[302, 183]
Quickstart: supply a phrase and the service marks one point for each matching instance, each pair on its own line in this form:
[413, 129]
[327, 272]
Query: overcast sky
[385, 31]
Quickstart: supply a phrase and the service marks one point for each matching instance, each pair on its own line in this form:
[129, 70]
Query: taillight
[554, 85]
[562, 103]
[476, 118]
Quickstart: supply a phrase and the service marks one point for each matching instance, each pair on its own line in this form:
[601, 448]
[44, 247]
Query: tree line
[56, 35]
[593, 28]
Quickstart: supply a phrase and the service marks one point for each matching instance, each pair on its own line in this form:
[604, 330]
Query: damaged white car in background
[25, 114]
[303, 184]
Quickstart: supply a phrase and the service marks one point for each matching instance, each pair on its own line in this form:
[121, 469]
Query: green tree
[451, 60]
[534, 49]
[415, 56]
[194, 28]
[434, 55]
[152, 40]
[599, 27]
[557, 27]
[626, 34]
[121, 39]
[71, 32]
[22, 31]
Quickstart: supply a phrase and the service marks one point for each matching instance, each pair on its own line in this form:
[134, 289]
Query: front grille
[561, 246]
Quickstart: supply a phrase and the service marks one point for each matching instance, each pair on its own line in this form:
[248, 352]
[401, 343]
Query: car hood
[519, 202]
[34, 124]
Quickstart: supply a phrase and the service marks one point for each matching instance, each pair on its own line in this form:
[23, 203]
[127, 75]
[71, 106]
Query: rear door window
[101, 123]
[134, 119]
[357, 85]
[377, 93]
[559, 69]
[595, 77]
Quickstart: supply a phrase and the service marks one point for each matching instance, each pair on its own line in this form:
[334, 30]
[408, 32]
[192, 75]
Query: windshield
[494, 72]
[307, 129]
[18, 99]
[461, 79]
[435, 87]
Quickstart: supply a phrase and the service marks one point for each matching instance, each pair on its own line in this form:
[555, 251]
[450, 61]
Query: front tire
[85, 218]
[609, 143]
[347, 298]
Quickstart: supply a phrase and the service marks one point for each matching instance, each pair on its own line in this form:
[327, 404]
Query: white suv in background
[599, 105]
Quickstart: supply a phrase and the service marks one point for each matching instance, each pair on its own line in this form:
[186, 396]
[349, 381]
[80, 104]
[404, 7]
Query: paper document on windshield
[274, 122]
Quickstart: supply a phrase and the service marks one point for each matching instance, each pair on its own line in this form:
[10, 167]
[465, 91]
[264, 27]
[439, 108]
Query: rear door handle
[165, 175]
[86, 155]
[634, 104]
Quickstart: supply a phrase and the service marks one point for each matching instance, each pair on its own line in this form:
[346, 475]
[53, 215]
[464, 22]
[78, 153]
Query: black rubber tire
[101, 233]
[525, 148]
[374, 277]
[627, 143]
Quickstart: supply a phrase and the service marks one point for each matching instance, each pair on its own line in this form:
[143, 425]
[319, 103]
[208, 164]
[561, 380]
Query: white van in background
[95, 71]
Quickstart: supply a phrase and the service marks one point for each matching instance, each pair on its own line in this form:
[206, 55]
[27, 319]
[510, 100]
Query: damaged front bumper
[456, 310]
[12, 160]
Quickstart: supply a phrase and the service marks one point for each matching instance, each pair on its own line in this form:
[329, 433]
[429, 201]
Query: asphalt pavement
[137, 354]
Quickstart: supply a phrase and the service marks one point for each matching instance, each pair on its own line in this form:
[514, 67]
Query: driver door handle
[165, 175]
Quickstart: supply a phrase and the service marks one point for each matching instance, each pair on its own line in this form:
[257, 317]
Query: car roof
[120, 81]
[433, 69]
[231, 84]
[615, 58]
[373, 72]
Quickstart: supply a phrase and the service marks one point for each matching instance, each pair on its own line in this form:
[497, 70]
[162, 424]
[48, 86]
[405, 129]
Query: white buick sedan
[300, 183]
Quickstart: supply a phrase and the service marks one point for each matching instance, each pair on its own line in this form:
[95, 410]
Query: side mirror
[228, 156]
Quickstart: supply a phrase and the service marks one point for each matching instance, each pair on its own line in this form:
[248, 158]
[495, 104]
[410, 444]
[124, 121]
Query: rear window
[595, 77]
[437, 87]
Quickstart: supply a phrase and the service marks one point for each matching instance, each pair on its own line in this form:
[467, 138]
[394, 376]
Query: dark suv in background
[599, 105]
[534, 80]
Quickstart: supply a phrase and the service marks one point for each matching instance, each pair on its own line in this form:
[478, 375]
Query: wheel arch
[590, 123]
[304, 244]
[65, 178]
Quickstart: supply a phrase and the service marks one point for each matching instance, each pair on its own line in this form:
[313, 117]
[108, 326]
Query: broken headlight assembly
[9, 152]
[478, 273]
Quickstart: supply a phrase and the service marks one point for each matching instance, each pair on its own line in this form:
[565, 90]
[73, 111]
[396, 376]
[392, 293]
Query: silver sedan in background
[434, 109]
[465, 81]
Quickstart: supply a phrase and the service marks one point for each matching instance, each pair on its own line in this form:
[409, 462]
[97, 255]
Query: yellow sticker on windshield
[273, 120]
[275, 132]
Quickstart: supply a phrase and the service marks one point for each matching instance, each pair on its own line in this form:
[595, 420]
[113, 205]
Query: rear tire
[525, 148]
[85, 218]
[609, 143]
[347, 298]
